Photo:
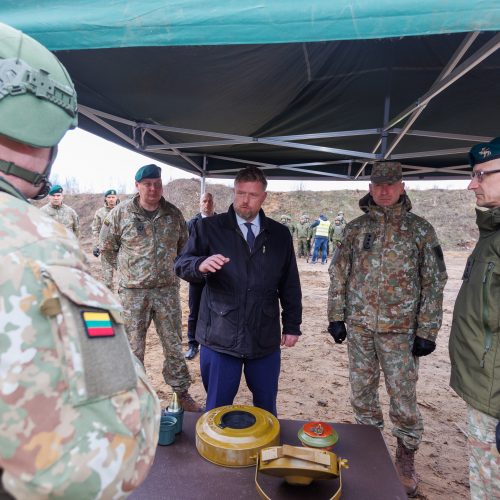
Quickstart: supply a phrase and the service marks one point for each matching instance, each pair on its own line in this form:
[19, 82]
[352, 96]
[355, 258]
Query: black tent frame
[215, 154]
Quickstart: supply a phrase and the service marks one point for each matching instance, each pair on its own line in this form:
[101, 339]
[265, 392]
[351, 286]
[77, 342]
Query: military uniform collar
[488, 221]
[8, 188]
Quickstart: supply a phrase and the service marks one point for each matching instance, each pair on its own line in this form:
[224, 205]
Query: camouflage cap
[485, 151]
[110, 192]
[386, 172]
[55, 189]
[151, 171]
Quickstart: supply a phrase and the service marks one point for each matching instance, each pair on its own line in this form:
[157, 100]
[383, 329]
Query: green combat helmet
[37, 99]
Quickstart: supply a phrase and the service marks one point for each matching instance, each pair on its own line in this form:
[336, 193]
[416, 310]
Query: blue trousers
[221, 375]
[320, 245]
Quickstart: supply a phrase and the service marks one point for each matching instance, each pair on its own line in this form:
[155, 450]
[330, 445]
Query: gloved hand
[422, 347]
[96, 251]
[498, 436]
[337, 330]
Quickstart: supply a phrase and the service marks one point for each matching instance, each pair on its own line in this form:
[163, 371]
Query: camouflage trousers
[484, 459]
[302, 247]
[107, 274]
[162, 306]
[370, 352]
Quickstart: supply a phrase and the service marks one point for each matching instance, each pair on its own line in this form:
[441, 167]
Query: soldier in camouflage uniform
[336, 233]
[78, 418]
[475, 331]
[61, 212]
[303, 233]
[387, 281]
[144, 235]
[343, 221]
[286, 220]
[110, 201]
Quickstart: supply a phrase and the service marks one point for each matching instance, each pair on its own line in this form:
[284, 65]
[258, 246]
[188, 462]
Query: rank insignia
[97, 324]
[485, 152]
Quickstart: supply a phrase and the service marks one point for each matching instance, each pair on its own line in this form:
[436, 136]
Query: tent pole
[203, 174]
[384, 135]
[486, 50]
[457, 56]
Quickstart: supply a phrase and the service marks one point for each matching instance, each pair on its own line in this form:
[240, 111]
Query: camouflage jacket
[99, 217]
[336, 233]
[475, 330]
[302, 230]
[65, 215]
[78, 418]
[146, 248]
[389, 273]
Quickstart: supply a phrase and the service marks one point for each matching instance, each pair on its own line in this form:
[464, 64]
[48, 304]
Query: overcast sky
[97, 165]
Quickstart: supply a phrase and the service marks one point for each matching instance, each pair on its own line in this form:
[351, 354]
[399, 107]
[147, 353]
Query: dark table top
[179, 472]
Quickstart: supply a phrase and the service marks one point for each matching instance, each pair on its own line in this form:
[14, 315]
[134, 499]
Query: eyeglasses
[479, 174]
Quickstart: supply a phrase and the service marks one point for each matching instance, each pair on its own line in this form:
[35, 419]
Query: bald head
[207, 204]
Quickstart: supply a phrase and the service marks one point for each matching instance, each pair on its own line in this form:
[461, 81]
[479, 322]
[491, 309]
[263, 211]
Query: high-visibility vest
[323, 228]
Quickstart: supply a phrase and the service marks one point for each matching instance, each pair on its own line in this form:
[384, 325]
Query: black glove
[337, 330]
[498, 437]
[422, 347]
[96, 251]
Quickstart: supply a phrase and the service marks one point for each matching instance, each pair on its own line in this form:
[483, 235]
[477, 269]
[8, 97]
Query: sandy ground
[314, 383]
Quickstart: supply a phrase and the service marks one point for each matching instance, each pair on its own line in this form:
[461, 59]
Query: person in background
[286, 220]
[207, 209]
[59, 211]
[386, 285]
[475, 330]
[336, 234]
[110, 202]
[303, 233]
[248, 265]
[78, 418]
[343, 221]
[322, 226]
[143, 235]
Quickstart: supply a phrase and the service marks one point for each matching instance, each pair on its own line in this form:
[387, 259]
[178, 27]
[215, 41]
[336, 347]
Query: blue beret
[56, 189]
[109, 191]
[485, 151]
[148, 172]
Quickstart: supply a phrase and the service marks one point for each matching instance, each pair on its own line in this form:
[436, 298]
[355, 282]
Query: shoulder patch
[97, 324]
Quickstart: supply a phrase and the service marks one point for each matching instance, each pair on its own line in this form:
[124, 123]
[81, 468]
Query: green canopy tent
[306, 90]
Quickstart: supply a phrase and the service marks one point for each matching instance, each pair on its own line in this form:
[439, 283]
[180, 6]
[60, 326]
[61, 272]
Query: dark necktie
[250, 235]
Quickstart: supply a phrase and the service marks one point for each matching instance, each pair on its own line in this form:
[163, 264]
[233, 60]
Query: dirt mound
[451, 212]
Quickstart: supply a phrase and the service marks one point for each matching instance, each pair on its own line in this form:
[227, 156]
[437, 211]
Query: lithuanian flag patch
[97, 324]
